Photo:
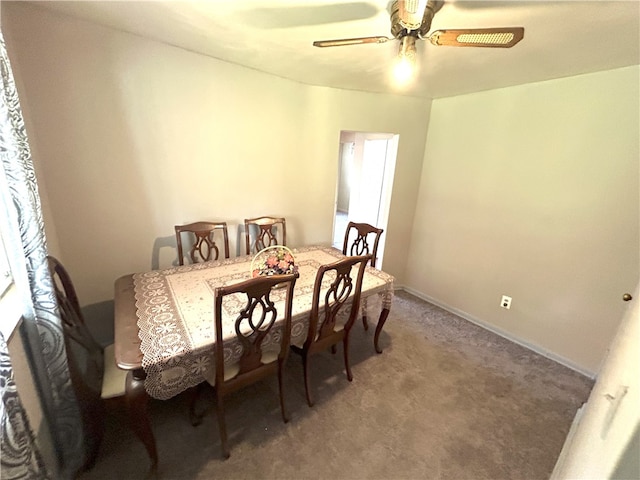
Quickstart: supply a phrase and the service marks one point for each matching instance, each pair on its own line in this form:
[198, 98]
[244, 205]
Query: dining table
[164, 332]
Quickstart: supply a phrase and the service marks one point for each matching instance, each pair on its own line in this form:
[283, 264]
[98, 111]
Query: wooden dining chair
[254, 320]
[203, 245]
[94, 374]
[362, 239]
[268, 231]
[326, 327]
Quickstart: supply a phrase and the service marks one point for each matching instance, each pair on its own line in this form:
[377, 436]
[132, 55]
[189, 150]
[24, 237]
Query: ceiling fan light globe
[403, 71]
[404, 67]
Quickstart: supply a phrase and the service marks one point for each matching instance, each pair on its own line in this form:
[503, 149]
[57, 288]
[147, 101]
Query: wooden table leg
[383, 318]
[137, 399]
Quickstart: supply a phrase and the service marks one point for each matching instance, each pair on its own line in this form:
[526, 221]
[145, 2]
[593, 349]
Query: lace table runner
[175, 314]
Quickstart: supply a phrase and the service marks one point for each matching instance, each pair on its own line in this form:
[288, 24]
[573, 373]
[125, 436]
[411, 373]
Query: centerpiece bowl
[273, 260]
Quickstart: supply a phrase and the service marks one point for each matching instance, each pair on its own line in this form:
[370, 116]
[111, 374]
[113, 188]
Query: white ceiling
[562, 38]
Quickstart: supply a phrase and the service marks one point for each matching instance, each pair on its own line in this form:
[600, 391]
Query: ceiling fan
[411, 20]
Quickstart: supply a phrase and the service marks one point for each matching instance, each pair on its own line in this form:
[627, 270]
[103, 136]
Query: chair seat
[230, 371]
[113, 382]
[341, 320]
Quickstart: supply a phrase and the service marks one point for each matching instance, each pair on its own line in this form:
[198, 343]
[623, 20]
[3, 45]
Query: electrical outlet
[505, 302]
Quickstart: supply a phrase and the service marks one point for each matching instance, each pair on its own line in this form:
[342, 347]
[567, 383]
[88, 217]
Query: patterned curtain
[41, 327]
[20, 458]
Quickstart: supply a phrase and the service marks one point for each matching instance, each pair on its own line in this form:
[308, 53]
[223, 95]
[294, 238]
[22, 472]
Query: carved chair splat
[268, 231]
[362, 239]
[204, 247]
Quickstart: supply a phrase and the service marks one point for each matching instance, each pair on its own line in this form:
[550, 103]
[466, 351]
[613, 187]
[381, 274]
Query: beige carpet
[445, 400]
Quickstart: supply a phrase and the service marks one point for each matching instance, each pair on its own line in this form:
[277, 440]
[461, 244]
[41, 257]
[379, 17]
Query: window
[11, 306]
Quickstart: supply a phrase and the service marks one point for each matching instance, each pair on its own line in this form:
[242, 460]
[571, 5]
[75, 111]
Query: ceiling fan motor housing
[399, 31]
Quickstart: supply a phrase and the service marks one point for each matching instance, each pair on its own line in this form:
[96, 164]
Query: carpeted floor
[445, 400]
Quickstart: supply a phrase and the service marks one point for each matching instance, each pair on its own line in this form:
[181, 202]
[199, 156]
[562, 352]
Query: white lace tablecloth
[175, 314]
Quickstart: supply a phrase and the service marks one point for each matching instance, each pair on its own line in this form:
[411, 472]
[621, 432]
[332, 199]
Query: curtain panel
[41, 326]
[20, 458]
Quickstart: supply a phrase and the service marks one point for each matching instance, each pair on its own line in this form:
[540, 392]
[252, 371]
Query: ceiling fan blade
[349, 41]
[478, 37]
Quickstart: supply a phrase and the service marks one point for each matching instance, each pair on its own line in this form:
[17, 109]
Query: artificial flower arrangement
[274, 260]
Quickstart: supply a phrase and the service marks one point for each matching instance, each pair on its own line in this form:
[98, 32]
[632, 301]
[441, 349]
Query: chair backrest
[362, 239]
[255, 319]
[85, 358]
[324, 311]
[266, 231]
[67, 299]
[204, 247]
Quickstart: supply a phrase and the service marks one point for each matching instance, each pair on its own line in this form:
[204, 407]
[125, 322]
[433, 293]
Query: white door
[367, 165]
[364, 204]
[601, 441]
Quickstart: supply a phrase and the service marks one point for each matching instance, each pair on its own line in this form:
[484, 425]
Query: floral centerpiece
[275, 260]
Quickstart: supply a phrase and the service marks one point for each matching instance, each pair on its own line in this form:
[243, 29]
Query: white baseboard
[492, 328]
[558, 470]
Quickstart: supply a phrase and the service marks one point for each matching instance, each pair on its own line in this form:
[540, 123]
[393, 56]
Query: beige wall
[132, 136]
[532, 192]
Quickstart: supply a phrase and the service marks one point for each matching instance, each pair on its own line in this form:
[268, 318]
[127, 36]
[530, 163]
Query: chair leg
[307, 381]
[383, 318]
[95, 418]
[345, 346]
[222, 425]
[363, 308]
[194, 417]
[281, 387]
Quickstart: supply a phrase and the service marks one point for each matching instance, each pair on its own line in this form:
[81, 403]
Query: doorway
[365, 178]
